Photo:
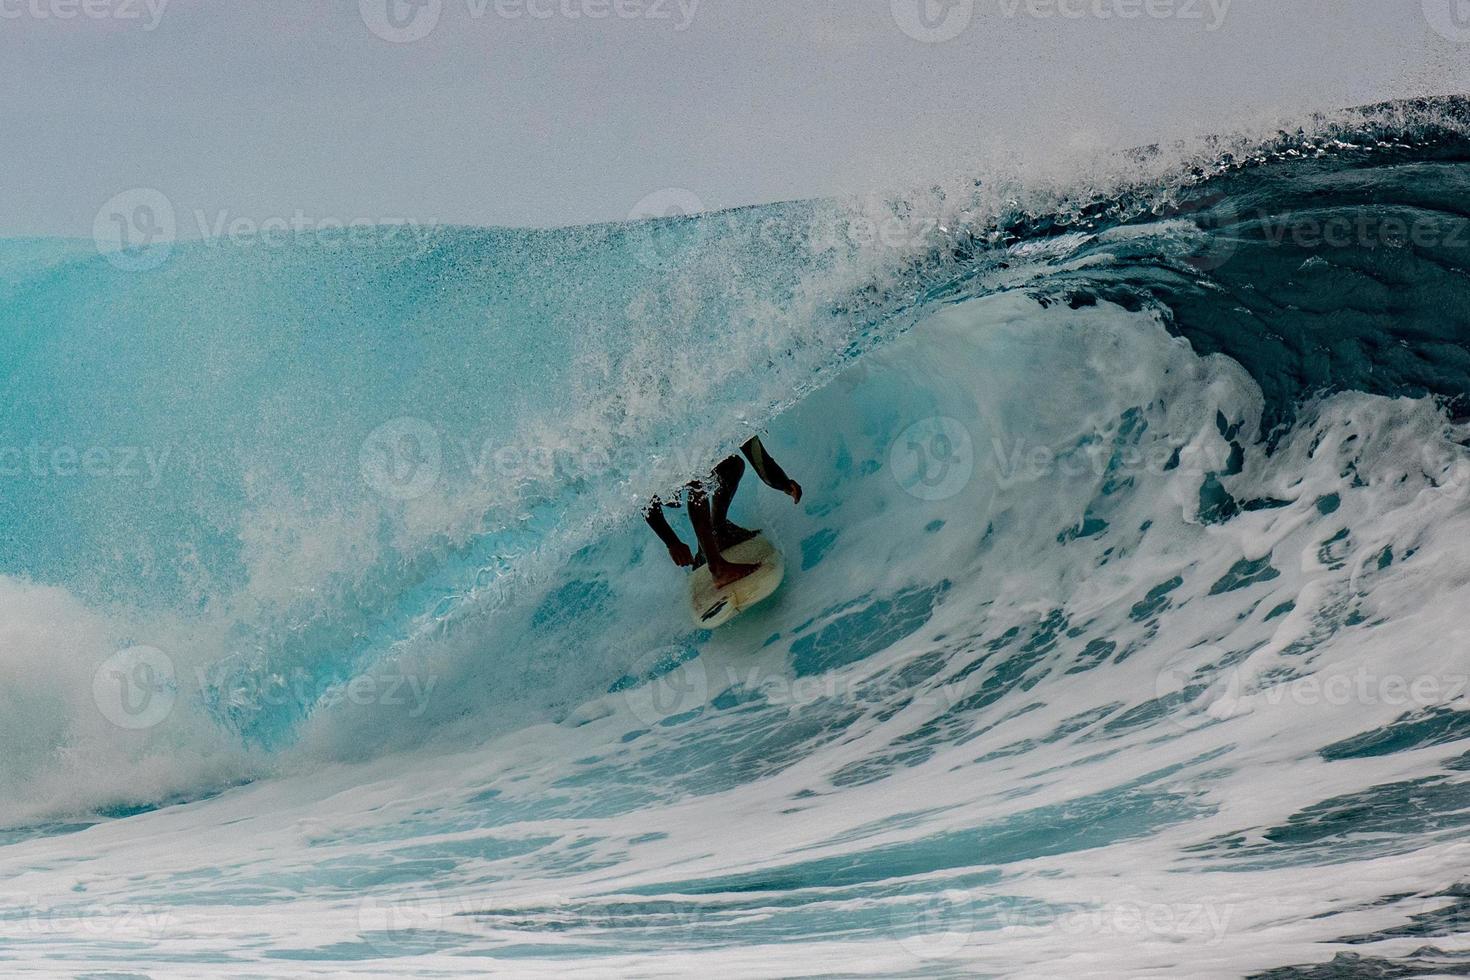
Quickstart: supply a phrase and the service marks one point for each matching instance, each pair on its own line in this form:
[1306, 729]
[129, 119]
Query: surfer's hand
[681, 555]
[794, 492]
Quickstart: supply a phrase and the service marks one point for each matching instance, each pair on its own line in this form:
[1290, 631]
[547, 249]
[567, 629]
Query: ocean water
[1124, 630]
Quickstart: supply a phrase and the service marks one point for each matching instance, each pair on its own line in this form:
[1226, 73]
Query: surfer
[709, 505]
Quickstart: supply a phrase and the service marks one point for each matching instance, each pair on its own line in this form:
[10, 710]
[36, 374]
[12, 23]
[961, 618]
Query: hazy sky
[556, 111]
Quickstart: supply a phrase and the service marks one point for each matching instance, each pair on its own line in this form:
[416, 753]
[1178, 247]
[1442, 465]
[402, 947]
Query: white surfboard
[713, 607]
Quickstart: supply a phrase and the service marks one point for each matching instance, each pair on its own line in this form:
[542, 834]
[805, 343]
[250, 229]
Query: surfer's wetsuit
[716, 491]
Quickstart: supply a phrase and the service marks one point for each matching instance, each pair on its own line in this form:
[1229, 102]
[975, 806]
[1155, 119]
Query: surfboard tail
[712, 607]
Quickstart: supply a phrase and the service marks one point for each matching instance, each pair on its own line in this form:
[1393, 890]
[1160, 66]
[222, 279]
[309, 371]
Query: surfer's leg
[678, 550]
[727, 480]
[701, 519]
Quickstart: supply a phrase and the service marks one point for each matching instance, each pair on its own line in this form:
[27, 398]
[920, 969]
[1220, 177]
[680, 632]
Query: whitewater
[1124, 629]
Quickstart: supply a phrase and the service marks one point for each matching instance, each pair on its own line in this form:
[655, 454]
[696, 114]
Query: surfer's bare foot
[729, 573]
[729, 535]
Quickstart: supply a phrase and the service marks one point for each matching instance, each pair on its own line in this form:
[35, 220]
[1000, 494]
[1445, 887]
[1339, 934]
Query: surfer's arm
[769, 470]
[678, 550]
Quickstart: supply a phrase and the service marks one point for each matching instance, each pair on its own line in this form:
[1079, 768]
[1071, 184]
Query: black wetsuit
[719, 487]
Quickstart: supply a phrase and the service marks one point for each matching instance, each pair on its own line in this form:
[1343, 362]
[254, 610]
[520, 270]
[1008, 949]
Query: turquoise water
[1123, 605]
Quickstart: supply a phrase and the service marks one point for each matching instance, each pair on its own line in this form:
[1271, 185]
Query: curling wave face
[1124, 605]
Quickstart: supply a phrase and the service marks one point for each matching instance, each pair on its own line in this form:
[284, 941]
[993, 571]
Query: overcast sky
[541, 112]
